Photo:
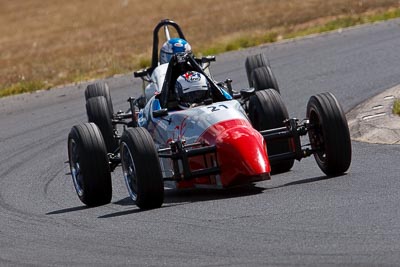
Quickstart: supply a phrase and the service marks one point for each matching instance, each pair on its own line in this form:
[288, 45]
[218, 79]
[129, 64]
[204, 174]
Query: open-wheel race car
[188, 130]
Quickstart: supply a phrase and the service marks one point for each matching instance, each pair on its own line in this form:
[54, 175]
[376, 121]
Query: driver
[191, 89]
[173, 46]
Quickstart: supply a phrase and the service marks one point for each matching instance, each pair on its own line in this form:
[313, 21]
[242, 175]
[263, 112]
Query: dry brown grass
[396, 107]
[51, 42]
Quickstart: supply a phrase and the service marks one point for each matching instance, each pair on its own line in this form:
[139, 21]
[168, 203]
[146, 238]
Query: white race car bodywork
[157, 80]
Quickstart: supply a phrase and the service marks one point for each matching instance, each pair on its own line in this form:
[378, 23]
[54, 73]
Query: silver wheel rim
[129, 171]
[75, 167]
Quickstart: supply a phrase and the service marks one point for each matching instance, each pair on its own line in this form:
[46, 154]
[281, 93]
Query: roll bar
[183, 58]
[162, 23]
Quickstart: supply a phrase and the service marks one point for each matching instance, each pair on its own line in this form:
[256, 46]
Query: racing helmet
[173, 46]
[191, 87]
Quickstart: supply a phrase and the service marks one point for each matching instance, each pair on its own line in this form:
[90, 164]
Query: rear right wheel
[89, 166]
[98, 113]
[100, 89]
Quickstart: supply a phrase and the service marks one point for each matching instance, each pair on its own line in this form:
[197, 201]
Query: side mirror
[160, 113]
[140, 73]
[207, 59]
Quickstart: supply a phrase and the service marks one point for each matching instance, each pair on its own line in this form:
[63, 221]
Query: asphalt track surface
[297, 218]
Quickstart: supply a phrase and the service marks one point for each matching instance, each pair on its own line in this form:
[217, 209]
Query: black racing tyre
[255, 61]
[98, 113]
[100, 89]
[267, 111]
[141, 168]
[263, 78]
[89, 166]
[329, 133]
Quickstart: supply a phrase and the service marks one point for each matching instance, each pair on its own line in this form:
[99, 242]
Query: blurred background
[52, 42]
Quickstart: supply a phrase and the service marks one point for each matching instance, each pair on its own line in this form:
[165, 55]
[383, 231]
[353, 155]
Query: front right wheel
[329, 134]
[141, 168]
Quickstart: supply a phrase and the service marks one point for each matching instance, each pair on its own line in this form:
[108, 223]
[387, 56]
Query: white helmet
[191, 87]
[173, 46]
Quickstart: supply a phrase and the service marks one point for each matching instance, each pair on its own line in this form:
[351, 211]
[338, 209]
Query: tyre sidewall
[149, 181]
[96, 182]
[335, 132]
[267, 111]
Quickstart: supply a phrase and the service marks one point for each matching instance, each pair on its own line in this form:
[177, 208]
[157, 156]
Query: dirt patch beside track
[373, 120]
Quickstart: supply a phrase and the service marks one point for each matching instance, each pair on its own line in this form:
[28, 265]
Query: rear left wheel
[263, 78]
[255, 61]
[267, 111]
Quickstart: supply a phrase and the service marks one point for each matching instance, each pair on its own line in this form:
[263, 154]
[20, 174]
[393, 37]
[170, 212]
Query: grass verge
[326, 25]
[23, 87]
[106, 63]
[396, 107]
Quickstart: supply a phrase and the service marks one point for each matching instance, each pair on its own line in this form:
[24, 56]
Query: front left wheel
[141, 168]
[329, 134]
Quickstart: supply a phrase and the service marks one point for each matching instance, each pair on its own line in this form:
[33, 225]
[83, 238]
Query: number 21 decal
[216, 108]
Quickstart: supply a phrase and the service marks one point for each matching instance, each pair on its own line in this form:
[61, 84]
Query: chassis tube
[277, 133]
[292, 131]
